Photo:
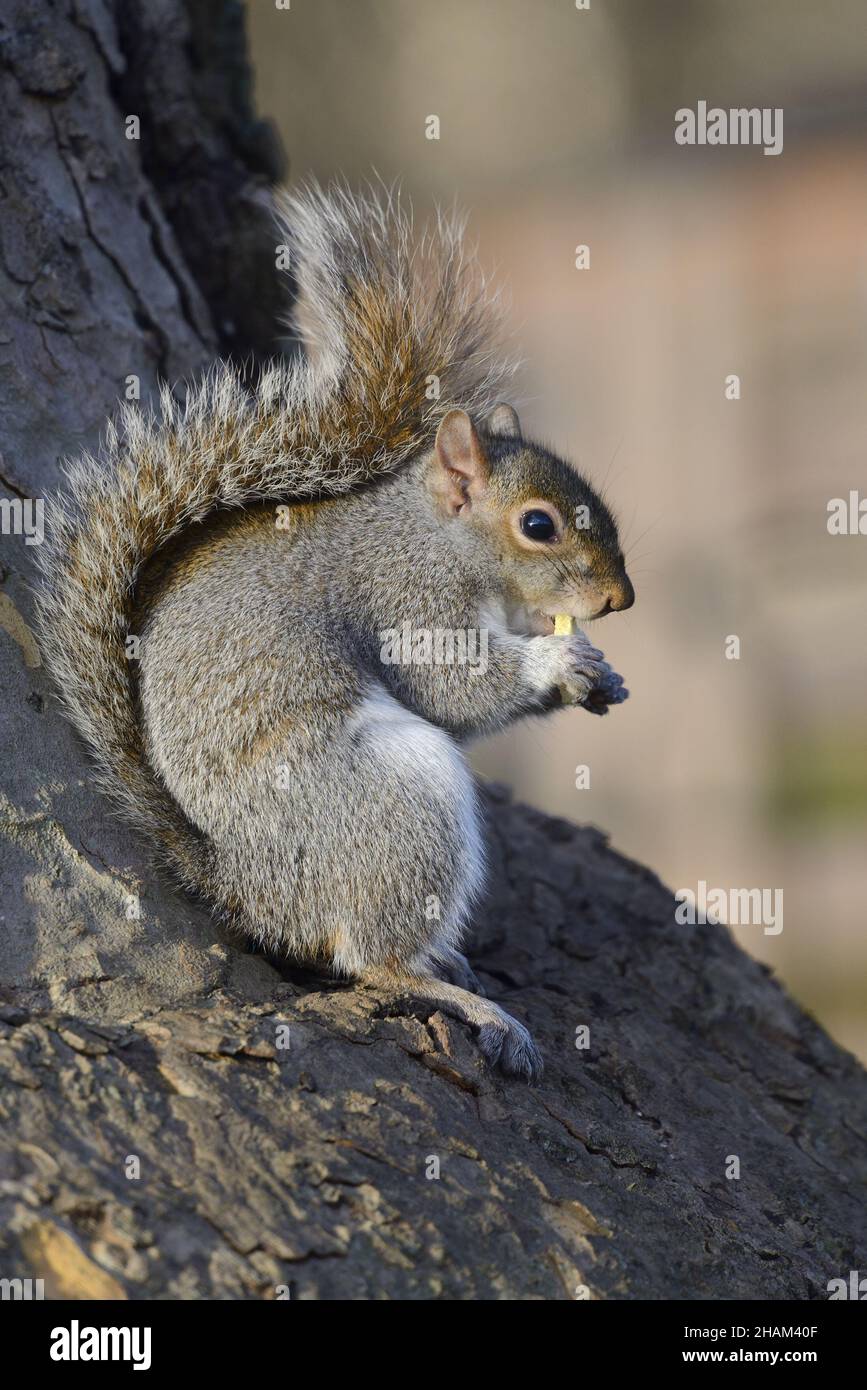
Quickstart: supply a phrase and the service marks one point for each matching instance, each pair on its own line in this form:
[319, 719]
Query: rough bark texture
[154, 1038]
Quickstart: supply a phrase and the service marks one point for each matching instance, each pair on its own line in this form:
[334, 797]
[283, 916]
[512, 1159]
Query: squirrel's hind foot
[507, 1044]
[455, 969]
[503, 1041]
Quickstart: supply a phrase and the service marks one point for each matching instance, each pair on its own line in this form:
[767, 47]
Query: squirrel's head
[554, 539]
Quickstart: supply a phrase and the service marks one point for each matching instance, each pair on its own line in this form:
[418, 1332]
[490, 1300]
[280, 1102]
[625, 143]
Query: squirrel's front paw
[609, 690]
[567, 664]
[583, 670]
[578, 670]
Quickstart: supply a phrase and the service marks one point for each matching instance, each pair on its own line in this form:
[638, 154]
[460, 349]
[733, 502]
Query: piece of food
[564, 626]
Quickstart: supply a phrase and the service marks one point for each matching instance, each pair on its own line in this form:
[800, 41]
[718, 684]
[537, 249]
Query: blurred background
[557, 130]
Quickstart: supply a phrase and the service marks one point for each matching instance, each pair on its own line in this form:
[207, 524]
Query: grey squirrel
[252, 548]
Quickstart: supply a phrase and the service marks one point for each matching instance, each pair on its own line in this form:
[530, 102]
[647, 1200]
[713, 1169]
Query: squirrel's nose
[621, 596]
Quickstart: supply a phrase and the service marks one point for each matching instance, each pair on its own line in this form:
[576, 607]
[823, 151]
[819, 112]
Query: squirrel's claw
[456, 970]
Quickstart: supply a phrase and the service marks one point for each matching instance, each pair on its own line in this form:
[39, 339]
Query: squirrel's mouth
[541, 624]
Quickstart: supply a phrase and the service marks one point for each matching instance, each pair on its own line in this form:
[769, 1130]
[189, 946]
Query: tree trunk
[183, 1118]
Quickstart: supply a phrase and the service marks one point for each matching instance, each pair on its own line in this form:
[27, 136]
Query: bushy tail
[397, 333]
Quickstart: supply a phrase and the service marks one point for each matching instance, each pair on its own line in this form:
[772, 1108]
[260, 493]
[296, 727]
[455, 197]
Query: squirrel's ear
[463, 467]
[503, 420]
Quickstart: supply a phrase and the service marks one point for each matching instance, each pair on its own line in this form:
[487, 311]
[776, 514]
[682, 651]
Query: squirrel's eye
[537, 525]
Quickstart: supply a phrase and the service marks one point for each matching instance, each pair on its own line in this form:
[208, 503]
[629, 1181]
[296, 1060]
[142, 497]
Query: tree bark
[159, 1137]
